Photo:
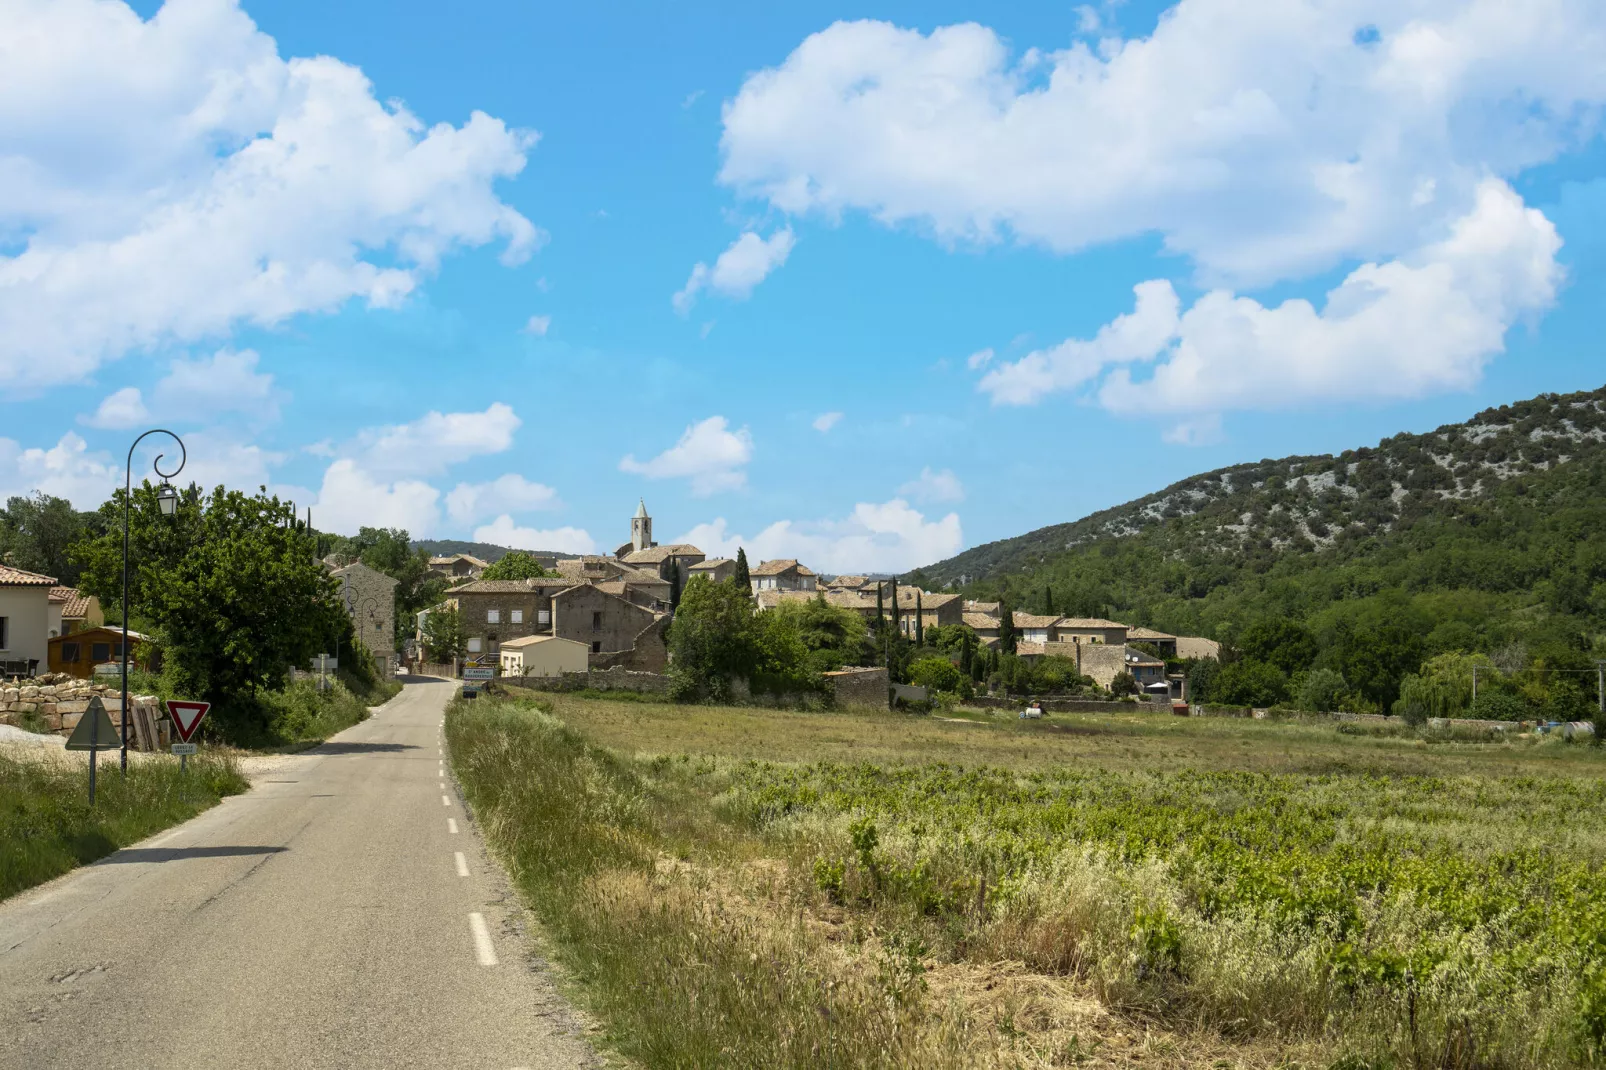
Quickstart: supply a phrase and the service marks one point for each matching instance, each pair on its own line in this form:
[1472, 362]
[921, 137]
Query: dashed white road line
[482, 939]
[462, 863]
[451, 825]
[446, 800]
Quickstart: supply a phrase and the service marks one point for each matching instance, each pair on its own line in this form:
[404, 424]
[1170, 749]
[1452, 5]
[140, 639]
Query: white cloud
[504, 532]
[827, 420]
[889, 537]
[469, 502]
[979, 359]
[66, 470]
[219, 456]
[119, 410]
[227, 381]
[744, 265]
[175, 177]
[538, 326]
[436, 440]
[709, 454]
[941, 486]
[1200, 431]
[1264, 141]
[1426, 322]
[351, 497]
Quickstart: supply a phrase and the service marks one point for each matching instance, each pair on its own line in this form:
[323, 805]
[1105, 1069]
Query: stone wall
[648, 652]
[1070, 705]
[617, 678]
[859, 687]
[63, 700]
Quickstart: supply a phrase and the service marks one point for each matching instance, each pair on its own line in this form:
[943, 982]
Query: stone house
[602, 621]
[783, 574]
[1034, 628]
[1088, 630]
[1193, 646]
[1166, 644]
[851, 583]
[717, 569]
[369, 598]
[865, 607]
[24, 621]
[459, 566]
[1104, 661]
[936, 610]
[662, 559]
[986, 609]
[987, 628]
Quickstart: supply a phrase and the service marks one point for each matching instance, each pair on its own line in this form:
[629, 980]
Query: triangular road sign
[106, 737]
[186, 716]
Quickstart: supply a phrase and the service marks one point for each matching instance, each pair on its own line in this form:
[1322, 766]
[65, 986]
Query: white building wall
[27, 613]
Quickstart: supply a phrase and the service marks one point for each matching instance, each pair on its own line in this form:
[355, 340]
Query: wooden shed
[78, 654]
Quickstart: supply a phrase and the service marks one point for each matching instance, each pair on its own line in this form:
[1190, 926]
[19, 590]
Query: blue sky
[915, 327]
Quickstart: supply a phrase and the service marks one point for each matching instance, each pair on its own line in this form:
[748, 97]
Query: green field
[749, 887]
[47, 826]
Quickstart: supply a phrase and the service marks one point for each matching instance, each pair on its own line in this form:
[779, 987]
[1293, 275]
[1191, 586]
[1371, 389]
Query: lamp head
[167, 498]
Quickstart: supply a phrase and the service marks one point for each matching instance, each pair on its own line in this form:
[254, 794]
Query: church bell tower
[641, 527]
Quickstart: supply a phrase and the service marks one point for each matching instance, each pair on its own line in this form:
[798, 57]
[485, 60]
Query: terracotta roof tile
[16, 577]
[74, 603]
[981, 621]
[1089, 622]
[778, 566]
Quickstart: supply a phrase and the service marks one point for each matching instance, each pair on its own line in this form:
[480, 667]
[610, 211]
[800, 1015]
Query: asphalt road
[343, 913]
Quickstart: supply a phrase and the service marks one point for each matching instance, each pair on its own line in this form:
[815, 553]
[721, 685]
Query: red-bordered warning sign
[186, 716]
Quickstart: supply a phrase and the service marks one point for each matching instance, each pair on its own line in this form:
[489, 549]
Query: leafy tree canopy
[37, 532]
[517, 565]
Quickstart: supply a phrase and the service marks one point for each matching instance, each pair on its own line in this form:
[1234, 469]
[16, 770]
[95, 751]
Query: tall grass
[679, 966]
[47, 826]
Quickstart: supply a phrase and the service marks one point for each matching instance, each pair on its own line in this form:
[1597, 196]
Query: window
[473, 646]
[596, 647]
[69, 653]
[5, 628]
[596, 622]
[99, 652]
[543, 616]
[493, 616]
[517, 616]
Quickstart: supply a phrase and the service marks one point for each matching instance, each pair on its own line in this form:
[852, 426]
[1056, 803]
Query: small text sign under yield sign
[186, 716]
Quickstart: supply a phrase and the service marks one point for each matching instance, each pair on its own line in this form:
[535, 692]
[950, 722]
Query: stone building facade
[602, 621]
[369, 598]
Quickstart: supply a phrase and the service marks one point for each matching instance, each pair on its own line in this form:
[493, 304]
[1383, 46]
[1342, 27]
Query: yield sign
[186, 716]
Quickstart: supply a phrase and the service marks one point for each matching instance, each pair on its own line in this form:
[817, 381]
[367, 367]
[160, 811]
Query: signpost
[325, 665]
[94, 732]
[186, 717]
[475, 677]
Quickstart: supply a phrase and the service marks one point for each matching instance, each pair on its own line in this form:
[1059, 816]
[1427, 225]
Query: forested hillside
[1487, 536]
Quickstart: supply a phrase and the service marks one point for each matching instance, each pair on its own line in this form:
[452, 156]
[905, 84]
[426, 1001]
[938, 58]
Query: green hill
[485, 551]
[1489, 535]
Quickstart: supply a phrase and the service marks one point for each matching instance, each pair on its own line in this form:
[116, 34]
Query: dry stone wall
[62, 700]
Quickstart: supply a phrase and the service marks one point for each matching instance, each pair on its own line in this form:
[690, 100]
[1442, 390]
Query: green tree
[937, 674]
[1280, 642]
[1202, 679]
[1321, 690]
[237, 604]
[156, 544]
[1124, 684]
[1006, 629]
[37, 533]
[833, 635]
[674, 585]
[713, 641]
[444, 638]
[741, 577]
[517, 565]
[1375, 660]
[1249, 683]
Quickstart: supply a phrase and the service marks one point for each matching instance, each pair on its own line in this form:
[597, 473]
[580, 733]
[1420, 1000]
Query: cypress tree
[674, 585]
[895, 628]
[920, 618]
[1048, 600]
[741, 577]
[1006, 629]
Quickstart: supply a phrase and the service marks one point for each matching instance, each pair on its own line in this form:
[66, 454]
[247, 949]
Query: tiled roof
[1034, 620]
[1023, 648]
[1138, 657]
[505, 586]
[74, 603]
[769, 599]
[470, 558]
[1144, 634]
[655, 554]
[16, 577]
[990, 608]
[853, 582]
[927, 599]
[1089, 622]
[778, 566]
[355, 565]
[981, 621]
[711, 564]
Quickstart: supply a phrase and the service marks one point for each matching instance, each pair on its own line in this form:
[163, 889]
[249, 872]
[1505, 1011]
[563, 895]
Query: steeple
[641, 527]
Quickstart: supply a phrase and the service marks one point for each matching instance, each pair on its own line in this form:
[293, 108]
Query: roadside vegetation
[877, 890]
[47, 826]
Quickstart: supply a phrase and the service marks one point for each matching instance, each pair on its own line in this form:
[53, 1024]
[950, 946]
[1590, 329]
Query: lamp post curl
[167, 502]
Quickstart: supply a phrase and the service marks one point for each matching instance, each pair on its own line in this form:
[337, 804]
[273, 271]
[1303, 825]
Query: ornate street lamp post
[167, 501]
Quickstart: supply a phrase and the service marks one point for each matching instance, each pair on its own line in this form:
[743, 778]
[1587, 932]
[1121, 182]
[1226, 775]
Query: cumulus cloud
[827, 420]
[69, 469]
[538, 326]
[747, 262]
[887, 537]
[504, 532]
[1263, 141]
[709, 454]
[979, 359]
[469, 502]
[436, 440]
[352, 497]
[1406, 328]
[118, 410]
[170, 178]
[941, 486]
